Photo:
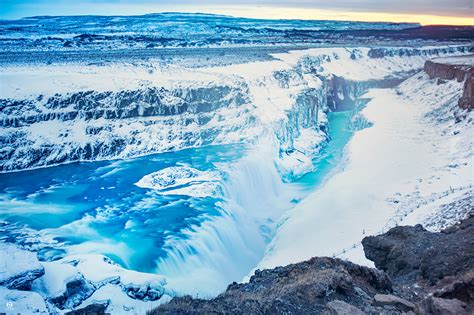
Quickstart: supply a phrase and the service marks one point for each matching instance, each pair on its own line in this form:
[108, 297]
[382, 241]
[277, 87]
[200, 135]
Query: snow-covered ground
[467, 60]
[416, 157]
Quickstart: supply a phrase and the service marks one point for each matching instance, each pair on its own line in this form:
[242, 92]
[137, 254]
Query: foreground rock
[411, 251]
[18, 268]
[423, 273]
[392, 300]
[436, 270]
[306, 287]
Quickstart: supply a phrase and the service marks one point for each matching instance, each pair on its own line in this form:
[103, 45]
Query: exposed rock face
[460, 72]
[445, 71]
[461, 287]
[395, 301]
[407, 252]
[438, 306]
[337, 307]
[18, 268]
[305, 287]
[467, 99]
[96, 125]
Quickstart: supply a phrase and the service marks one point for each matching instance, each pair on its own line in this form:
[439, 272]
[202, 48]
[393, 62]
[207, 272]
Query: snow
[20, 82]
[118, 302]
[407, 154]
[106, 277]
[16, 262]
[442, 210]
[458, 60]
[338, 61]
[21, 302]
[169, 181]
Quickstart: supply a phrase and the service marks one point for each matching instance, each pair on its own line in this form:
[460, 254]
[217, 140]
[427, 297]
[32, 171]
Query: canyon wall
[462, 71]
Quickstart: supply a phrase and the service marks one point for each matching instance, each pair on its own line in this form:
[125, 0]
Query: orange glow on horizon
[339, 15]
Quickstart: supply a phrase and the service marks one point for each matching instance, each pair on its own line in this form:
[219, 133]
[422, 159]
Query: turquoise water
[331, 155]
[90, 203]
[95, 207]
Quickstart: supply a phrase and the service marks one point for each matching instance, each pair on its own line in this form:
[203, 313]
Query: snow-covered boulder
[76, 291]
[18, 267]
[75, 282]
[21, 302]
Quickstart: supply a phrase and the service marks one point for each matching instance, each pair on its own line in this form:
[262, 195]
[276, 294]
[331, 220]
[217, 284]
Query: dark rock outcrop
[92, 309]
[408, 252]
[337, 307]
[306, 287]
[439, 306]
[395, 301]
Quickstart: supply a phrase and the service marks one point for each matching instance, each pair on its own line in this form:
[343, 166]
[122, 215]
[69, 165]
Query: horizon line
[281, 13]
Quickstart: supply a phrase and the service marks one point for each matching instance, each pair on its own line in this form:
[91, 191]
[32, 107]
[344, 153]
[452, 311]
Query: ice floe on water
[182, 180]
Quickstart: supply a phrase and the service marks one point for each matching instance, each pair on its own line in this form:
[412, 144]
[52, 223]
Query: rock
[398, 252]
[21, 302]
[407, 252]
[439, 306]
[93, 309]
[459, 287]
[460, 72]
[467, 99]
[395, 301]
[438, 69]
[305, 287]
[77, 290]
[341, 308]
[18, 267]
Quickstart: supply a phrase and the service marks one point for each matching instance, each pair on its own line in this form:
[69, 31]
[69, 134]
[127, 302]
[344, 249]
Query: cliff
[459, 68]
[419, 272]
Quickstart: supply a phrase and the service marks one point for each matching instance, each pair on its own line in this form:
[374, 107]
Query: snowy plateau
[149, 157]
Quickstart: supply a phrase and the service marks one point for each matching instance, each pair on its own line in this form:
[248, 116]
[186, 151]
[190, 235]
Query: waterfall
[224, 248]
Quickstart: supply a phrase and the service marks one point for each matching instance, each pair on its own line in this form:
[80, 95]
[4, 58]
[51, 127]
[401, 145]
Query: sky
[455, 12]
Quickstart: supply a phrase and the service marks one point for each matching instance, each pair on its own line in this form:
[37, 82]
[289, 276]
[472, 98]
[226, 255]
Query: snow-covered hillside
[409, 167]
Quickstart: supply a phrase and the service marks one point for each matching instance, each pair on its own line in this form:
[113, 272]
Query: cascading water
[224, 248]
[204, 258]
